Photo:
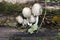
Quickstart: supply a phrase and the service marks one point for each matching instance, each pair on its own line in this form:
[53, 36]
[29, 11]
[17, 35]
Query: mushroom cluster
[31, 15]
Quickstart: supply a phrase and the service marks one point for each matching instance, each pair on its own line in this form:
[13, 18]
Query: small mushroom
[25, 22]
[32, 20]
[19, 19]
[26, 13]
[36, 11]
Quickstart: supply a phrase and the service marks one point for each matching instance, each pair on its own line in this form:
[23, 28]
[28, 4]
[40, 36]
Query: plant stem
[44, 15]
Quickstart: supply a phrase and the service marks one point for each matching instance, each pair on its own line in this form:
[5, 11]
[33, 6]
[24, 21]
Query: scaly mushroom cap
[32, 19]
[26, 12]
[37, 9]
[19, 19]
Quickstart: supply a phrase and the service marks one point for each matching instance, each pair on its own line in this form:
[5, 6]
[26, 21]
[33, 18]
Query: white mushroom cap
[19, 19]
[26, 12]
[37, 9]
[32, 19]
[25, 22]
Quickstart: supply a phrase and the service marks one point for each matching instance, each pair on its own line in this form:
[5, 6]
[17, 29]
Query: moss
[56, 19]
[10, 9]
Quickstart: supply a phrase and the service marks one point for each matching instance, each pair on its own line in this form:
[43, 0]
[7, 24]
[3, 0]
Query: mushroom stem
[37, 19]
[30, 24]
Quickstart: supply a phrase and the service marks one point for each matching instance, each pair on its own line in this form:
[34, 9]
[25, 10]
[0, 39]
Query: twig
[43, 17]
